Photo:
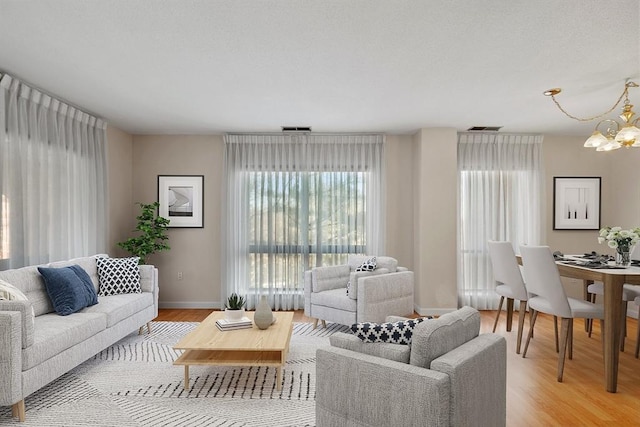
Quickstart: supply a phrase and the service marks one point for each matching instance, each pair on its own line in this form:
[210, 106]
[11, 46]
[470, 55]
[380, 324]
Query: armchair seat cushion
[334, 298]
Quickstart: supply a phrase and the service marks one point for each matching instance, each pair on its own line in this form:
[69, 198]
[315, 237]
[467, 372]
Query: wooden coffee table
[207, 345]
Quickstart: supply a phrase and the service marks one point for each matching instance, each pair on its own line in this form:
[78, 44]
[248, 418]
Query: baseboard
[190, 304]
[433, 311]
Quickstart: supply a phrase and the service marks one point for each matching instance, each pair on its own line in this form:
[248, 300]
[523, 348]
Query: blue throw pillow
[69, 288]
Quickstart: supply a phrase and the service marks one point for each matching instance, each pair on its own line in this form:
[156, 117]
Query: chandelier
[609, 134]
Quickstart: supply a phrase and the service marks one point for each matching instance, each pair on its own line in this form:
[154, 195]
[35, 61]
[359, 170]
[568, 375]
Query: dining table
[613, 278]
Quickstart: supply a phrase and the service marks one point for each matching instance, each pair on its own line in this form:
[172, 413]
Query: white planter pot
[233, 315]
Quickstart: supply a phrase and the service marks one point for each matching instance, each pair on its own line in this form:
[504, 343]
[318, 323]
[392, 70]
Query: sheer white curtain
[294, 202]
[501, 197]
[52, 178]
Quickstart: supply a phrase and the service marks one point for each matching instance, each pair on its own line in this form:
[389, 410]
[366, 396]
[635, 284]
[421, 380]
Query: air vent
[296, 128]
[485, 128]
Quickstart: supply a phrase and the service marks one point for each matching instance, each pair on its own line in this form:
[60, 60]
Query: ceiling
[201, 67]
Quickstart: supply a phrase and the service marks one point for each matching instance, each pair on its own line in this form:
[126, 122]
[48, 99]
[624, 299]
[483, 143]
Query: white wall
[195, 252]
[120, 178]
[435, 210]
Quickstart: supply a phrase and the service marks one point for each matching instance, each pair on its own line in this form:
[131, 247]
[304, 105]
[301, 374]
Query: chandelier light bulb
[610, 146]
[628, 135]
[596, 140]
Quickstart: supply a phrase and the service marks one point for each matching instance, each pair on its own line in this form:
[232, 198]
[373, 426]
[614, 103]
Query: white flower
[619, 239]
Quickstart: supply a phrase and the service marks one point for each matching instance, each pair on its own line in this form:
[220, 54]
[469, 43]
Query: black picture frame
[576, 202]
[181, 199]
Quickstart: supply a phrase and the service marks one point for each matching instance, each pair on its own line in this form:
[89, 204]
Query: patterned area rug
[134, 383]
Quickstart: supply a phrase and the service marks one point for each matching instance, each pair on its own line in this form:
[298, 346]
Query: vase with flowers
[622, 241]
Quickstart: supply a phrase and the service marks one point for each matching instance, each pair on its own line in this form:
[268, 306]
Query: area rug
[134, 383]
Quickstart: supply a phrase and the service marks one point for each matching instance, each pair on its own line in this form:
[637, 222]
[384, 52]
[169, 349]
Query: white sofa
[35, 350]
[372, 296]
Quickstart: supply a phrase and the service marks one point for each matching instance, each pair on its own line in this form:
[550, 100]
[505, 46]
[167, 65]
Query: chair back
[506, 269]
[543, 278]
[635, 252]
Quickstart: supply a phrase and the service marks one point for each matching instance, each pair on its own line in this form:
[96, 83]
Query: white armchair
[371, 296]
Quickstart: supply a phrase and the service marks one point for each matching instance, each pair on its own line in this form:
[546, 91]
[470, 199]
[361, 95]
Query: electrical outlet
[179, 275]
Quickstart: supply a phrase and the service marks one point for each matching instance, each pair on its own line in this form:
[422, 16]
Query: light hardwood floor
[534, 397]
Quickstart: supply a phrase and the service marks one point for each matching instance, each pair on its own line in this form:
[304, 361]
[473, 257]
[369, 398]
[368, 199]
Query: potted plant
[234, 308]
[153, 237]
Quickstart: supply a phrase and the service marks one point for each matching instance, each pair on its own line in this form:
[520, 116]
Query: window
[294, 202]
[301, 220]
[500, 198]
[52, 178]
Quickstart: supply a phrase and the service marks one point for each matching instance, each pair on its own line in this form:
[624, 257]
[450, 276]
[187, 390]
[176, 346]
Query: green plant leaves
[153, 237]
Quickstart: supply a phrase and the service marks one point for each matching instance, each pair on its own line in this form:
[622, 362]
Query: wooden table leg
[17, 410]
[612, 297]
[186, 377]
[279, 378]
[586, 297]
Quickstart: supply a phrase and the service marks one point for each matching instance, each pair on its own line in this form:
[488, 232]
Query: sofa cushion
[390, 332]
[335, 298]
[10, 292]
[119, 307]
[118, 275]
[330, 277]
[31, 283]
[69, 288]
[87, 263]
[399, 353]
[54, 334]
[436, 337]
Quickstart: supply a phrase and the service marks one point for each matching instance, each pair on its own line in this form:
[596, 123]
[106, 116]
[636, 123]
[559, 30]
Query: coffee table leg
[186, 377]
[279, 378]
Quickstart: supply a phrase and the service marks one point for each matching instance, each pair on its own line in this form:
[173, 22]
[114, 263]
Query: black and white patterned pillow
[118, 276]
[392, 332]
[368, 265]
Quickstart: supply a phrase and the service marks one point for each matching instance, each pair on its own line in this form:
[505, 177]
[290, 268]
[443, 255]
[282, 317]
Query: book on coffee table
[227, 325]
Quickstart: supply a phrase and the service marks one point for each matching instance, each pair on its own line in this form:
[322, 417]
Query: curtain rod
[57, 98]
[308, 133]
[475, 132]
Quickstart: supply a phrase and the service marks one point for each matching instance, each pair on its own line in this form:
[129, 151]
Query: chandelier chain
[588, 119]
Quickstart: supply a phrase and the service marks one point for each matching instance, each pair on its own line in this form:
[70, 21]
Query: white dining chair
[629, 293]
[548, 296]
[509, 284]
